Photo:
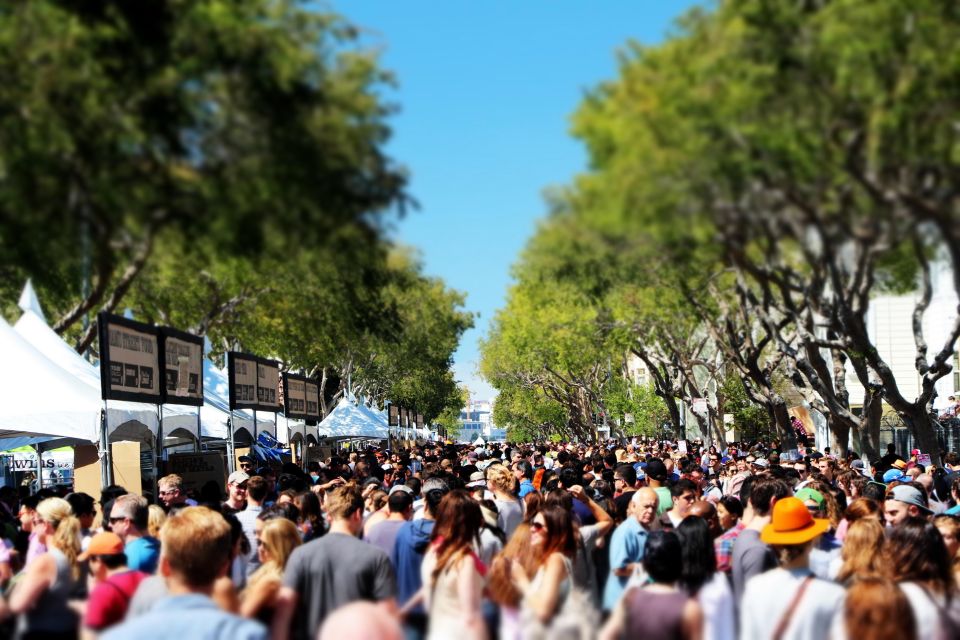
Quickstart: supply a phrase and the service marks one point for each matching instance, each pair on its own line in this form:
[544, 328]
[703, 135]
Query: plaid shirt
[724, 547]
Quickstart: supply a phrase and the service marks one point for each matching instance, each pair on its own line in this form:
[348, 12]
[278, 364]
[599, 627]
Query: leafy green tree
[230, 135]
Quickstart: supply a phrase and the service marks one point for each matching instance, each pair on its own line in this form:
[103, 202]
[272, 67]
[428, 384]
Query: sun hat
[792, 523]
[908, 495]
[893, 475]
[761, 462]
[477, 479]
[899, 464]
[106, 543]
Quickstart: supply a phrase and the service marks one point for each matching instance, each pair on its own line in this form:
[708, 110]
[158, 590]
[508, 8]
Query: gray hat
[761, 462]
[400, 487]
[238, 477]
[908, 495]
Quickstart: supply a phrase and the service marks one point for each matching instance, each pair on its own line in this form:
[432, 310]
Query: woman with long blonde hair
[277, 539]
[41, 598]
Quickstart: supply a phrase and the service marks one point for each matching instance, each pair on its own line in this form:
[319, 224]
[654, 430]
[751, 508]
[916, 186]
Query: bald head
[707, 511]
[644, 505]
[360, 621]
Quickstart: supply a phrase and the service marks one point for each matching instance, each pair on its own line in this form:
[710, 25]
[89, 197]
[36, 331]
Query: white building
[890, 325]
[476, 420]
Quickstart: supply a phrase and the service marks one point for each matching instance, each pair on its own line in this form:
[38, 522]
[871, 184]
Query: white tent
[479, 442]
[347, 420]
[128, 417]
[41, 399]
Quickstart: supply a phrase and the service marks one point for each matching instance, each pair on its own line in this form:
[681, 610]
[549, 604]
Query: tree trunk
[923, 427]
[839, 433]
[870, 426]
[781, 416]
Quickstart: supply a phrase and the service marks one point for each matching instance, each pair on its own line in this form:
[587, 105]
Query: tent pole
[158, 457]
[36, 448]
[106, 458]
[231, 447]
[196, 443]
[253, 443]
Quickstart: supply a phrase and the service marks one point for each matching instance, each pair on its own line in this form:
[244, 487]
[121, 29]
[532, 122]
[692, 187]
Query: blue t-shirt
[526, 486]
[413, 539]
[626, 547]
[143, 554]
[187, 616]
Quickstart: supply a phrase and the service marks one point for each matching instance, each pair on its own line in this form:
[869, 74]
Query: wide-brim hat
[792, 523]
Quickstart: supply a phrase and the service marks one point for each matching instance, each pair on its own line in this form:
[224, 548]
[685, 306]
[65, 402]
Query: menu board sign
[393, 415]
[294, 396]
[129, 360]
[181, 357]
[312, 395]
[420, 420]
[242, 375]
[254, 382]
[268, 385]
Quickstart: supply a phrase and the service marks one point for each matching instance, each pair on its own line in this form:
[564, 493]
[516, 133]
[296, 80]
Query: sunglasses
[537, 526]
[116, 520]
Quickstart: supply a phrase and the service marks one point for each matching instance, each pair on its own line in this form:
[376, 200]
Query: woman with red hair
[554, 543]
[453, 575]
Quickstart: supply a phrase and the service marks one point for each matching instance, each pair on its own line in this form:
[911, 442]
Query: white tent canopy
[127, 416]
[42, 398]
[348, 420]
[479, 442]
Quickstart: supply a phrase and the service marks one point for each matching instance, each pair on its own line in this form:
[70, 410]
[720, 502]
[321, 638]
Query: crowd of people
[651, 539]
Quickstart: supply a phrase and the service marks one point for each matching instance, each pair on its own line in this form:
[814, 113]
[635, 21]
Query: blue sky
[486, 90]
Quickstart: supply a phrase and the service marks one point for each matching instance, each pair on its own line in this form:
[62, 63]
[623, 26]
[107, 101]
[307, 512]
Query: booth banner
[294, 396]
[182, 365]
[420, 420]
[197, 469]
[242, 378]
[312, 395]
[393, 415]
[27, 461]
[404, 418]
[129, 360]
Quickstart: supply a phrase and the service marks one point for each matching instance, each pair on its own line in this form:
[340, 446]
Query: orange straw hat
[792, 523]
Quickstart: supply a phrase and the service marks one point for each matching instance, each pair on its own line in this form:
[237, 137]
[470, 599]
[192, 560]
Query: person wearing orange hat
[114, 582]
[788, 601]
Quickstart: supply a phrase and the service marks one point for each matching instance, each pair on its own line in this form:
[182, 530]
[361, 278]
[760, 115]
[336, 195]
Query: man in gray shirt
[751, 556]
[332, 571]
[383, 535]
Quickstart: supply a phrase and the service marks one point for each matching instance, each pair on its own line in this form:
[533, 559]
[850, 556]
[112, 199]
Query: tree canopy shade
[753, 182]
[217, 166]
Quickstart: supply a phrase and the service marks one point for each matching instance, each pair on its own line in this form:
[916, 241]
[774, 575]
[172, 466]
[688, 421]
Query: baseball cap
[761, 462]
[106, 543]
[893, 475]
[370, 480]
[915, 452]
[238, 477]
[387, 466]
[908, 495]
[656, 470]
[472, 455]
[477, 479]
[400, 487]
[810, 494]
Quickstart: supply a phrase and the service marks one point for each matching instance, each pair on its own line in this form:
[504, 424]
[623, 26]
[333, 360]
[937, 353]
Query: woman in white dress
[452, 572]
